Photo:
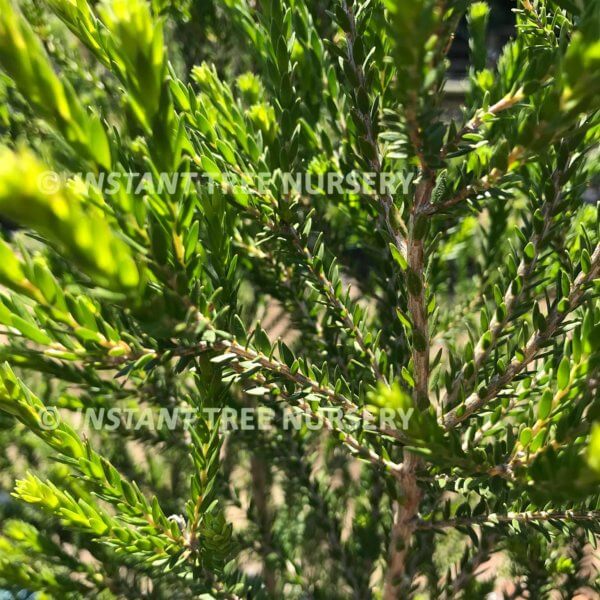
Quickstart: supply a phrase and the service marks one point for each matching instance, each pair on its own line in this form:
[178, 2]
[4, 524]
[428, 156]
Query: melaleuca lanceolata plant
[418, 317]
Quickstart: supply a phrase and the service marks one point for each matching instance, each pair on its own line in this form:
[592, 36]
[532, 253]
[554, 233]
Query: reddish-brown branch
[404, 512]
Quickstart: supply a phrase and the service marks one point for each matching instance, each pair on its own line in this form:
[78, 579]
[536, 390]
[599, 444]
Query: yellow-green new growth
[136, 47]
[24, 59]
[11, 272]
[79, 229]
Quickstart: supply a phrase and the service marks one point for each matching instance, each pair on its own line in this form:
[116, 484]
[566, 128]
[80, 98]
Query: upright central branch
[407, 506]
[417, 302]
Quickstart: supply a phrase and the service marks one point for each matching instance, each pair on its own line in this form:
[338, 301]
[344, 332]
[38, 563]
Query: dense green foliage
[439, 336]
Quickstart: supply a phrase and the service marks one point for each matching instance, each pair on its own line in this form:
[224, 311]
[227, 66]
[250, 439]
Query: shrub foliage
[439, 337]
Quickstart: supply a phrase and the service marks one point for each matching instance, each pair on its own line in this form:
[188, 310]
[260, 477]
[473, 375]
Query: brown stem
[524, 517]
[403, 527]
[417, 301]
[473, 125]
[406, 509]
[485, 183]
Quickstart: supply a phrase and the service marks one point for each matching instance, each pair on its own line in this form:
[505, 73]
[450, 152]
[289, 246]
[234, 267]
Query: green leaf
[545, 405]
[261, 340]
[398, 257]
[563, 373]
[586, 261]
[525, 436]
[530, 251]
